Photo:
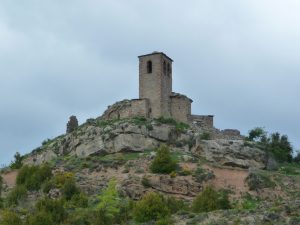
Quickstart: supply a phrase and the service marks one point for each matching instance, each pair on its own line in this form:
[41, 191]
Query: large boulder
[230, 153]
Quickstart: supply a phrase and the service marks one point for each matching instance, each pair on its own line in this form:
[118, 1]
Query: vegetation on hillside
[275, 144]
[163, 162]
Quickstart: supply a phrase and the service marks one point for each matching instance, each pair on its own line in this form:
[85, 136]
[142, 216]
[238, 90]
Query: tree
[256, 134]
[17, 164]
[151, 207]
[275, 144]
[72, 124]
[110, 200]
[210, 200]
[163, 162]
[297, 158]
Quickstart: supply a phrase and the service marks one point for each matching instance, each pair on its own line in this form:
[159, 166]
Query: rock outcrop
[99, 137]
[230, 153]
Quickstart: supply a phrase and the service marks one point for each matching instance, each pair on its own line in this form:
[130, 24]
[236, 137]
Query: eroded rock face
[180, 186]
[110, 139]
[177, 185]
[230, 153]
[125, 136]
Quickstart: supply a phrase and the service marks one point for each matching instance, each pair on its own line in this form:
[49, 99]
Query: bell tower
[155, 82]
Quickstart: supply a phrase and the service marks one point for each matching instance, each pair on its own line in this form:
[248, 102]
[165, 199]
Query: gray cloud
[235, 59]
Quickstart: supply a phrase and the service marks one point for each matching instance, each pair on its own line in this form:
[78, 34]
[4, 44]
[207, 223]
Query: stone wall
[157, 85]
[228, 134]
[127, 108]
[180, 107]
[205, 122]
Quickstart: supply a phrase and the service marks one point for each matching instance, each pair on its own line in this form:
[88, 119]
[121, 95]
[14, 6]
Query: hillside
[121, 153]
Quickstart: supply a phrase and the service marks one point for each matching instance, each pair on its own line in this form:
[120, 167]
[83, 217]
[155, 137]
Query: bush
[101, 217]
[40, 218]
[17, 163]
[110, 200]
[163, 162]
[151, 207]
[79, 201]
[69, 189]
[210, 200]
[205, 136]
[257, 181]
[32, 177]
[16, 195]
[10, 218]
[146, 182]
[174, 205]
[179, 126]
[276, 145]
[53, 208]
[79, 217]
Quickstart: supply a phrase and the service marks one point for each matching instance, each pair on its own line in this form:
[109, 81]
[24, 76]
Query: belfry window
[169, 69]
[165, 68]
[149, 66]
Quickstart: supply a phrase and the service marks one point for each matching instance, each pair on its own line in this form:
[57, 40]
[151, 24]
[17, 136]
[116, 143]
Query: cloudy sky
[238, 60]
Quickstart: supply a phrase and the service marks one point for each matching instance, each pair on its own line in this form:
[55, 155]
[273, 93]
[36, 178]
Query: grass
[291, 169]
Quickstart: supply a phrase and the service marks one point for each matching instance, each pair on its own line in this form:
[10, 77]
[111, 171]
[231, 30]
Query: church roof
[177, 95]
[156, 53]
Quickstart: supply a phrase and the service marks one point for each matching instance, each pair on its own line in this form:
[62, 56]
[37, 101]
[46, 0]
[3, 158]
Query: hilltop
[260, 191]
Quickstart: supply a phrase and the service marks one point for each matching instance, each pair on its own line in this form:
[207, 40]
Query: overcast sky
[238, 60]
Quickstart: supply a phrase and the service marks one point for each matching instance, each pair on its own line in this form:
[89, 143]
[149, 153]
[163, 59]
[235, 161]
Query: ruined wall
[180, 107]
[228, 134]
[205, 122]
[127, 108]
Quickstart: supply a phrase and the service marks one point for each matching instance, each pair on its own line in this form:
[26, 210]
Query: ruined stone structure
[156, 97]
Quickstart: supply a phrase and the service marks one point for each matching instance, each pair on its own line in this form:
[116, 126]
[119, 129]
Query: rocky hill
[260, 191]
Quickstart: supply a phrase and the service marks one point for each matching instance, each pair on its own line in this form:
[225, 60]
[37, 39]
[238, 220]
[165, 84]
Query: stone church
[156, 96]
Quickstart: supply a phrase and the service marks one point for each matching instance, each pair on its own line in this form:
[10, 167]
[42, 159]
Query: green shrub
[32, 177]
[53, 208]
[101, 217]
[174, 205]
[110, 199]
[10, 218]
[249, 203]
[163, 162]
[151, 207]
[79, 201]
[164, 221]
[146, 182]
[257, 181]
[179, 126]
[79, 217]
[202, 175]
[205, 136]
[210, 200]
[17, 194]
[40, 218]
[69, 189]
[274, 144]
[17, 163]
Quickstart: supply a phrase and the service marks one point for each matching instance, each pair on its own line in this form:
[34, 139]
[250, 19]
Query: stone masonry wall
[180, 108]
[127, 108]
[205, 122]
[155, 86]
